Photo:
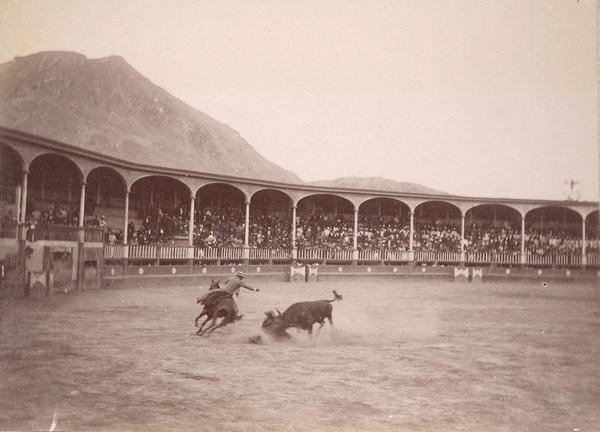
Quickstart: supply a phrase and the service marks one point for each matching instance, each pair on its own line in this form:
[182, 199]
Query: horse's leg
[199, 316]
[202, 326]
[227, 320]
[212, 324]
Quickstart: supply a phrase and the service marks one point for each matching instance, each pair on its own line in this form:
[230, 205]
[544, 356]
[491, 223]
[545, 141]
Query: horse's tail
[336, 297]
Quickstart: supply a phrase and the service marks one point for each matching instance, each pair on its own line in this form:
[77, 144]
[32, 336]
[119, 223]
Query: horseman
[231, 286]
[235, 282]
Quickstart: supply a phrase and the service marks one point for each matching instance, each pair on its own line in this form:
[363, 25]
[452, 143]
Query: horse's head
[214, 285]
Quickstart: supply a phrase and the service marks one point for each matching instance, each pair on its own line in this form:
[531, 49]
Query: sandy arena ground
[404, 356]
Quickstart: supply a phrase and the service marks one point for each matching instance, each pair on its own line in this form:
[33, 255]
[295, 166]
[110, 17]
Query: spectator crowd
[224, 227]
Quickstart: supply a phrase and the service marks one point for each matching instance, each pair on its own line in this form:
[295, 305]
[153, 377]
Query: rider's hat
[241, 274]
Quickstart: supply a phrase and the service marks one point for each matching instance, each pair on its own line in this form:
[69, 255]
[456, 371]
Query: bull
[301, 315]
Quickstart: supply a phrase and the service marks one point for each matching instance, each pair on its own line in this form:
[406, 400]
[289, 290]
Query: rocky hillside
[379, 184]
[107, 106]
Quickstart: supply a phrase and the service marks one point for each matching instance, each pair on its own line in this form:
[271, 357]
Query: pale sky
[478, 98]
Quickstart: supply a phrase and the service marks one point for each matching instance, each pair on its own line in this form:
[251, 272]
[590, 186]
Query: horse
[217, 304]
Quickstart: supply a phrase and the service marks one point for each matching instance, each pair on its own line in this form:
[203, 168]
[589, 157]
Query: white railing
[396, 255]
[540, 259]
[382, 255]
[231, 253]
[507, 258]
[339, 254]
[478, 257]
[173, 252]
[206, 253]
[370, 255]
[429, 256]
[485, 257]
[325, 254]
[256, 253]
[142, 252]
[316, 254]
[564, 260]
[114, 251]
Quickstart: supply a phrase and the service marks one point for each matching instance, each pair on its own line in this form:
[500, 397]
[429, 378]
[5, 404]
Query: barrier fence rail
[492, 258]
[93, 234]
[443, 257]
[215, 254]
[270, 254]
[54, 232]
[382, 255]
[177, 252]
[8, 229]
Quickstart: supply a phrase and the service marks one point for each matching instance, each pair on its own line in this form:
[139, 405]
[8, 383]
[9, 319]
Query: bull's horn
[278, 311]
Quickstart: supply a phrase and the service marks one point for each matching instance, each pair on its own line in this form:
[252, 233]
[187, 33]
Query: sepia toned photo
[299, 216]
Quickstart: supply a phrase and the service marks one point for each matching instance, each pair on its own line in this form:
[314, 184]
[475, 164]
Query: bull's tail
[336, 297]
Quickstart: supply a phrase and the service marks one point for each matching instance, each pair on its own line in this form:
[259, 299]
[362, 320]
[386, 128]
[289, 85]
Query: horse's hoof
[239, 317]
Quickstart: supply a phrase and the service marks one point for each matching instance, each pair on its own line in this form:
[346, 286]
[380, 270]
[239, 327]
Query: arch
[270, 190]
[553, 230]
[105, 195]
[63, 161]
[159, 209]
[217, 194]
[304, 196]
[270, 219]
[319, 202]
[550, 216]
[271, 198]
[383, 223]
[380, 203]
[220, 215]
[436, 200]
[11, 169]
[157, 190]
[10, 161]
[214, 185]
[368, 199]
[467, 207]
[107, 170]
[324, 221]
[54, 189]
[592, 225]
[497, 212]
[437, 225]
[493, 228]
[436, 205]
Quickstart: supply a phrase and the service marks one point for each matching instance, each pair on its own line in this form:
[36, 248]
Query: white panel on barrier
[297, 273]
[476, 275]
[313, 273]
[461, 274]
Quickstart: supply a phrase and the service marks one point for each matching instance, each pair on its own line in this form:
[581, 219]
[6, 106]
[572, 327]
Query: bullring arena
[458, 313]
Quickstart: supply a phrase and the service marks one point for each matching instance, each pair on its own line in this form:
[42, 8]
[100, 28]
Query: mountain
[106, 106]
[377, 183]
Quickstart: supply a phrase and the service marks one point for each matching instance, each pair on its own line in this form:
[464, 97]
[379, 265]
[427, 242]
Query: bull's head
[274, 325]
[270, 317]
